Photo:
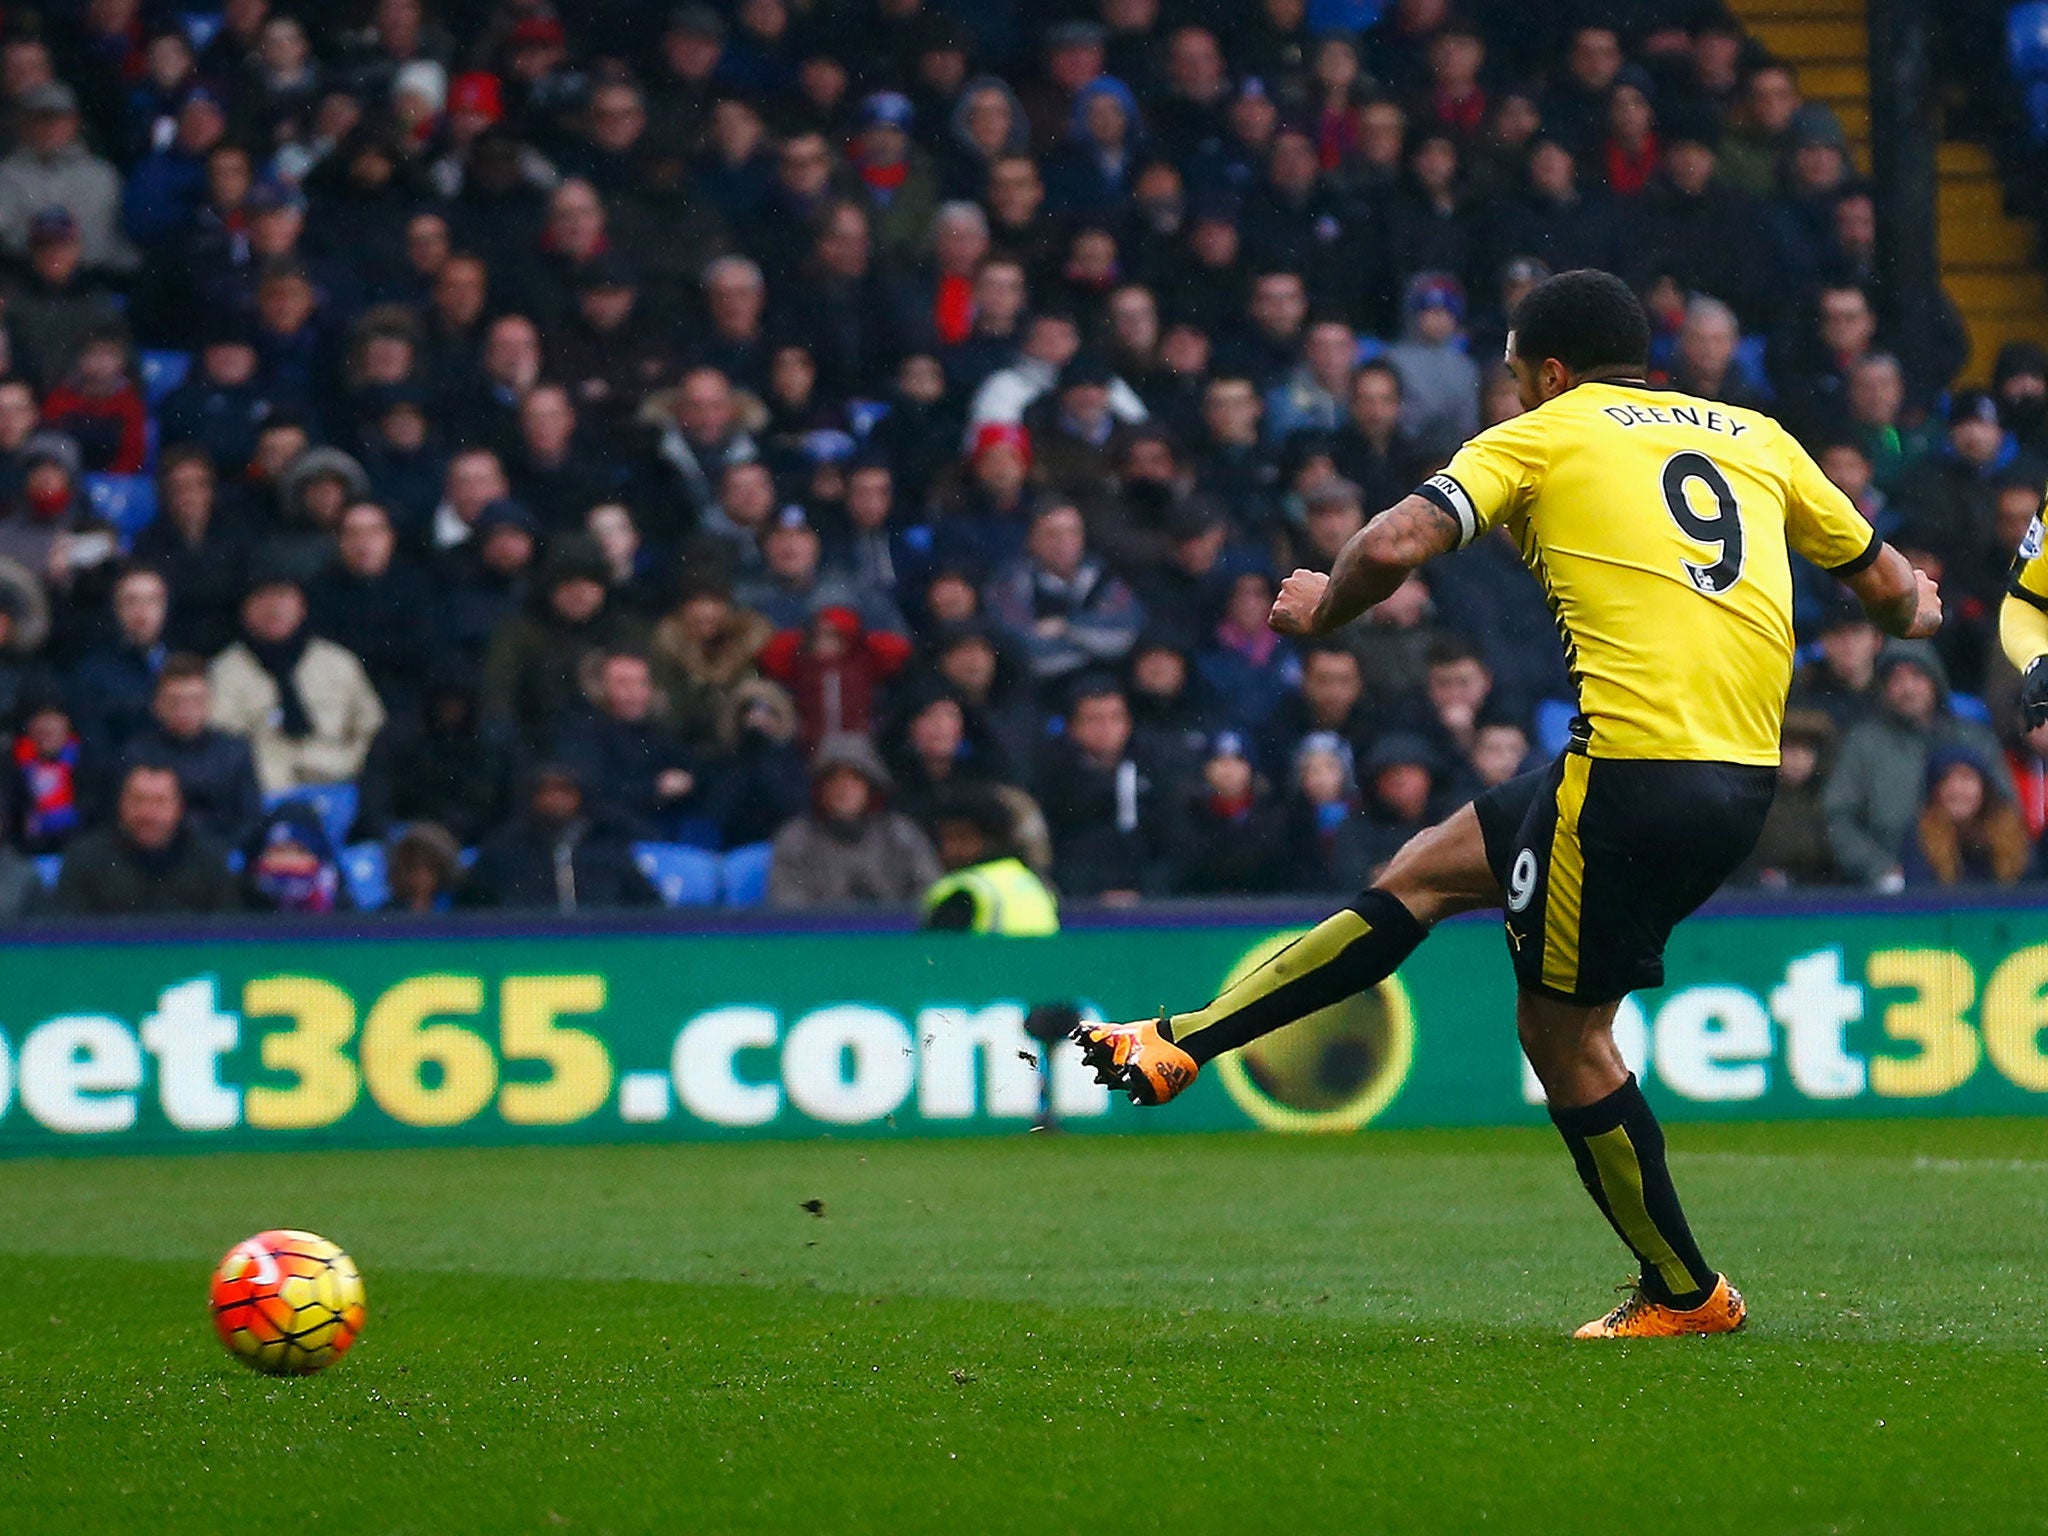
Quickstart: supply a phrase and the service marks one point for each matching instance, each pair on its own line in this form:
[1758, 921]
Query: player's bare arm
[1901, 601]
[1375, 561]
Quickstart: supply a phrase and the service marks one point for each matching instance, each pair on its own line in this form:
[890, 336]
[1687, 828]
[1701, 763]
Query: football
[287, 1303]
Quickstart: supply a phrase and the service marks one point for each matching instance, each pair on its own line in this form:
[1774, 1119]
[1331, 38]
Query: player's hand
[2034, 692]
[1294, 610]
[1927, 617]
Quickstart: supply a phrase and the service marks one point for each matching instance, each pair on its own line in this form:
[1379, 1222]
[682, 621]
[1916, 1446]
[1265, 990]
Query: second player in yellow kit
[1659, 527]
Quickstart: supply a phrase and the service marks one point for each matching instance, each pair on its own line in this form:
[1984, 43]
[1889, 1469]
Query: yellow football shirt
[1658, 525]
[2030, 565]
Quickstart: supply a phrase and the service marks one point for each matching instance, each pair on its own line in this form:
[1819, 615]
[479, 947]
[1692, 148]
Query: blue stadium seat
[48, 867]
[2026, 39]
[1968, 706]
[1554, 725]
[201, 27]
[334, 804]
[2037, 110]
[362, 866]
[162, 372]
[745, 875]
[126, 501]
[686, 877]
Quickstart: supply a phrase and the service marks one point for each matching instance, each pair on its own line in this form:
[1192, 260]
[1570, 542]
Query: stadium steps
[1989, 259]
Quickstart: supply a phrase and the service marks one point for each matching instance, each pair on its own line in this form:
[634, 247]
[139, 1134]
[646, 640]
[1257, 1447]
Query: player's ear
[1555, 378]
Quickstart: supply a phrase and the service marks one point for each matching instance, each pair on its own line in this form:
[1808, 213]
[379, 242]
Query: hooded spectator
[375, 604]
[835, 670]
[424, 870]
[1969, 831]
[1233, 837]
[1793, 849]
[438, 766]
[289, 863]
[1439, 382]
[542, 662]
[849, 848]
[1875, 792]
[557, 855]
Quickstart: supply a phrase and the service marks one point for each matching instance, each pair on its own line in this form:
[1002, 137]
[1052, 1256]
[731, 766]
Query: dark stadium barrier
[384, 1034]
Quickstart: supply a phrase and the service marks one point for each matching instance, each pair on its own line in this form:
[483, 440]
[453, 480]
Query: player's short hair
[1586, 319]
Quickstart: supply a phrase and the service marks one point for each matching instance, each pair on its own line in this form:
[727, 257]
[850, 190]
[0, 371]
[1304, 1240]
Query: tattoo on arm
[1380, 556]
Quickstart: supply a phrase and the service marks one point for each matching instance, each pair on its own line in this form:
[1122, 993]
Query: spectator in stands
[201, 551]
[111, 688]
[1950, 498]
[423, 870]
[319, 486]
[1233, 836]
[1317, 394]
[1874, 794]
[483, 581]
[1110, 809]
[304, 705]
[1876, 404]
[1439, 382]
[1399, 777]
[222, 404]
[1244, 664]
[149, 862]
[438, 766]
[52, 168]
[1707, 364]
[49, 778]
[1969, 830]
[57, 302]
[557, 856]
[216, 774]
[1458, 687]
[375, 605]
[1840, 681]
[1060, 605]
[2019, 378]
[1794, 848]
[794, 585]
[290, 863]
[1372, 449]
[535, 674]
[631, 763]
[849, 848]
[95, 403]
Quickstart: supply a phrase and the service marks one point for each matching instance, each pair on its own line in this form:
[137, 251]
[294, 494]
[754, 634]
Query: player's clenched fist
[1294, 610]
[1927, 616]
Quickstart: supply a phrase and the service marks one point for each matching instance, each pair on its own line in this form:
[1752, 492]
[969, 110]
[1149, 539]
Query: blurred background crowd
[474, 453]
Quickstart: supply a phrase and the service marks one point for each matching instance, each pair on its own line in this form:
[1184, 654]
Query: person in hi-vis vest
[986, 887]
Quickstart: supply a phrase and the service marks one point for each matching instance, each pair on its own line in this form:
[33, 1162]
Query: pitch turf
[1185, 1335]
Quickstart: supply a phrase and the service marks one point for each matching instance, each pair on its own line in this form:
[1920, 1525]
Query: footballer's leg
[1439, 872]
[1599, 1110]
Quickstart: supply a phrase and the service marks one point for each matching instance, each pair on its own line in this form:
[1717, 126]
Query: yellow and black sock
[1347, 952]
[1619, 1148]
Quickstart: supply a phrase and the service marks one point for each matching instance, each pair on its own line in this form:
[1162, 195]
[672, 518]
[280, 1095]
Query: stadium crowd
[515, 437]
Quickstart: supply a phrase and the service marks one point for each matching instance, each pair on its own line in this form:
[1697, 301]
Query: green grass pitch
[1230, 1334]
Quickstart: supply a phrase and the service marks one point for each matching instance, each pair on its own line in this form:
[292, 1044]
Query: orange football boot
[1137, 1059]
[1641, 1318]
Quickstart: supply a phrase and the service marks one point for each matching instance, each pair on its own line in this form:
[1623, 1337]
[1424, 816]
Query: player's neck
[1632, 377]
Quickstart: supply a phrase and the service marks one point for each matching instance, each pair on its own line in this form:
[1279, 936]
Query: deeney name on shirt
[1673, 416]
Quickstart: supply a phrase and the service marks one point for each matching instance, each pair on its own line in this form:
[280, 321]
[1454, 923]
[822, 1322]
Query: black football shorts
[1602, 857]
